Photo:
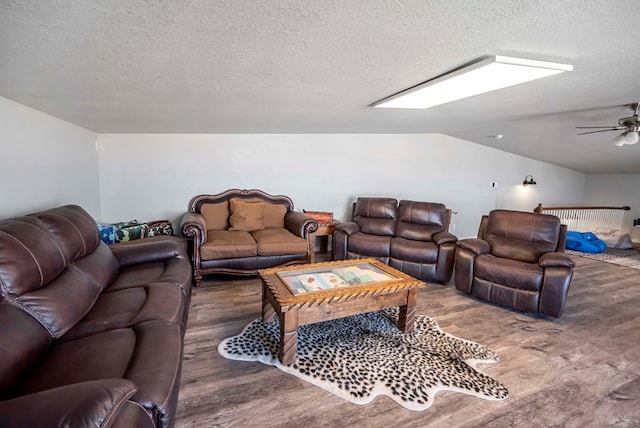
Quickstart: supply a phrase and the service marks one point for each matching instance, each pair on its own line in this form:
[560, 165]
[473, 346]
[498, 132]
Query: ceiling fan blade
[602, 130]
[588, 127]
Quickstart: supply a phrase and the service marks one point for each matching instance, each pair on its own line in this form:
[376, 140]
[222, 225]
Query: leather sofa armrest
[300, 224]
[475, 245]
[92, 403]
[149, 250]
[556, 259]
[444, 237]
[349, 228]
[194, 227]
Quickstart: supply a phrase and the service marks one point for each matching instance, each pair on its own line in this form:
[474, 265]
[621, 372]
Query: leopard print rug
[362, 356]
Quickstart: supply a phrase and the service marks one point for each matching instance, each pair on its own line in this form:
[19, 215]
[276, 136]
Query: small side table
[325, 230]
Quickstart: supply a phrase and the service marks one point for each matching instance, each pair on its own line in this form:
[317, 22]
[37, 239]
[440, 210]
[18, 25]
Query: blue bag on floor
[585, 242]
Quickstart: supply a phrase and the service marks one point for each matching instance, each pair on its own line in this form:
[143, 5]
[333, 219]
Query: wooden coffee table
[306, 294]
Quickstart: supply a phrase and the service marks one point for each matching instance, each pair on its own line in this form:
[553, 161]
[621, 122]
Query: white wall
[45, 162]
[153, 176]
[616, 190]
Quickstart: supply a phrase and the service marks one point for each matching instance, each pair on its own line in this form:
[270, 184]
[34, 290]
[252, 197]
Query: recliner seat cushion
[508, 272]
[369, 245]
[414, 251]
[278, 242]
[228, 244]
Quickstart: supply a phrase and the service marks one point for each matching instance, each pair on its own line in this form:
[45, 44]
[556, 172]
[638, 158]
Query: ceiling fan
[630, 127]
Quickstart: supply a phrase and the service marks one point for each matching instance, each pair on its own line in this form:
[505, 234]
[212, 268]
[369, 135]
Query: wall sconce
[528, 180]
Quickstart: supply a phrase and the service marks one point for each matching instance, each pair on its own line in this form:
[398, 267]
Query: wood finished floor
[582, 370]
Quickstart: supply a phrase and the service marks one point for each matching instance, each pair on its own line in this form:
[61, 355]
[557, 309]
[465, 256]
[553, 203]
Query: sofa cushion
[30, 256]
[216, 216]
[148, 354]
[228, 244]
[130, 306]
[508, 272]
[170, 270]
[62, 302]
[277, 242]
[246, 215]
[101, 266]
[73, 229]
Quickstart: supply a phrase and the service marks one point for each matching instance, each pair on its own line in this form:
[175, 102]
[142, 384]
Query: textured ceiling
[315, 66]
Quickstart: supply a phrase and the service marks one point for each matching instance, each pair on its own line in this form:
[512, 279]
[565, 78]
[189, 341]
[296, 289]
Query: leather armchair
[410, 236]
[517, 260]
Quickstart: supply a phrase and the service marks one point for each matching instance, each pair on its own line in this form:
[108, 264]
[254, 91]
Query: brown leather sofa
[90, 335]
[410, 236]
[517, 261]
[241, 231]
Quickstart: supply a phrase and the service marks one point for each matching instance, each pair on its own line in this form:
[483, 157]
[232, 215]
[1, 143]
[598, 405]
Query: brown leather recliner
[517, 261]
[410, 236]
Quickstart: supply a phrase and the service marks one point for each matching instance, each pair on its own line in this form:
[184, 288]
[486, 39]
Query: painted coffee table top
[342, 280]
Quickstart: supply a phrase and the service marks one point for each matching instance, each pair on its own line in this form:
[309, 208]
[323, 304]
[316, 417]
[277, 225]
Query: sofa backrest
[216, 209]
[521, 235]
[419, 221]
[376, 216]
[54, 266]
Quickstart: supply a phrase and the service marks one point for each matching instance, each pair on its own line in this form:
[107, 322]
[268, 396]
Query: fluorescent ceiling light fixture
[486, 75]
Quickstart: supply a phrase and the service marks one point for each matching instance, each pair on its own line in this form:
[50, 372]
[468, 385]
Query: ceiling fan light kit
[618, 141]
[630, 137]
[483, 75]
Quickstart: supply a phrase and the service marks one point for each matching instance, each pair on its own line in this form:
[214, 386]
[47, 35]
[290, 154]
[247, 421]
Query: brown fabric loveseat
[517, 261]
[90, 335]
[241, 231]
[410, 236]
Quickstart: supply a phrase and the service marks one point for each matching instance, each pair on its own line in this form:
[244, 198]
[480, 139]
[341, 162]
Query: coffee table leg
[288, 337]
[407, 314]
[267, 309]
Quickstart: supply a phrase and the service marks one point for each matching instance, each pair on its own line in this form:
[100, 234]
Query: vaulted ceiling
[315, 66]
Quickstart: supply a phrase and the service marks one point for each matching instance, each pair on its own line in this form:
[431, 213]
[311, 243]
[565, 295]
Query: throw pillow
[216, 216]
[246, 215]
[274, 215]
[614, 238]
